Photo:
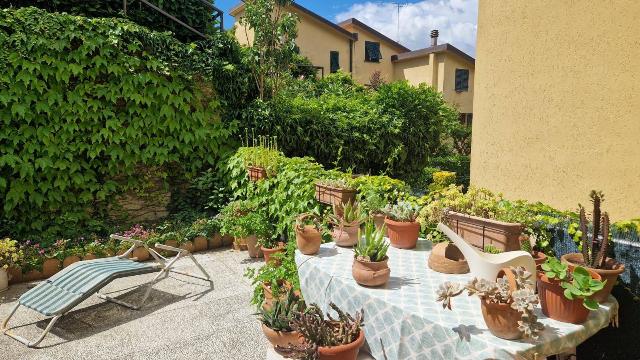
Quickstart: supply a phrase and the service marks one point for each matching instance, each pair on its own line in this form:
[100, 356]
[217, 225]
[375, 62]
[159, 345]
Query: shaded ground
[184, 318]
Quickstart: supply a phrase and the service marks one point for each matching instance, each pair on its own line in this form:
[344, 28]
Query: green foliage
[88, 104]
[274, 275]
[593, 257]
[441, 180]
[490, 249]
[279, 316]
[348, 214]
[577, 284]
[242, 219]
[403, 211]
[371, 244]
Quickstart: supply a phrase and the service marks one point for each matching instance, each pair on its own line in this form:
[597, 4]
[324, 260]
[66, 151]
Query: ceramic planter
[141, 253]
[281, 338]
[32, 275]
[256, 173]
[268, 294]
[227, 240]
[308, 239]
[378, 220]
[345, 235]
[4, 280]
[50, 267]
[187, 245]
[215, 241]
[370, 273]
[446, 258]
[481, 232]
[70, 260]
[200, 243]
[610, 273]
[342, 352]
[88, 257]
[555, 305]
[15, 274]
[268, 252]
[252, 246]
[402, 235]
[539, 257]
[334, 196]
[501, 320]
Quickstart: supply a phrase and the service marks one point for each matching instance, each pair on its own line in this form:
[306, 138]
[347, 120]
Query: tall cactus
[593, 258]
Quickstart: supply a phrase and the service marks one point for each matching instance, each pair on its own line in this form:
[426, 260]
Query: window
[466, 119]
[334, 61]
[462, 80]
[372, 51]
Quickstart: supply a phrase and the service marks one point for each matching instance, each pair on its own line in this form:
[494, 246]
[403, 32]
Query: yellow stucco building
[355, 48]
[557, 102]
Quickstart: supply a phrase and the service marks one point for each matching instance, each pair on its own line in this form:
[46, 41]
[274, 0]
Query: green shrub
[86, 107]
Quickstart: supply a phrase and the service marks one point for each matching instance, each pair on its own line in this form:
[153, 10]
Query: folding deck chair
[74, 284]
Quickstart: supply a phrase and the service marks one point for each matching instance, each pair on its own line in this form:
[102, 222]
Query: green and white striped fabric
[74, 284]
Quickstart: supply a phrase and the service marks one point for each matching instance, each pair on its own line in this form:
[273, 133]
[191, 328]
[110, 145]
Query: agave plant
[371, 245]
[278, 317]
[348, 214]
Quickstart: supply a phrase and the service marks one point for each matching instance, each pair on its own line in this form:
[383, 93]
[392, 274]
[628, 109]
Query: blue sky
[456, 19]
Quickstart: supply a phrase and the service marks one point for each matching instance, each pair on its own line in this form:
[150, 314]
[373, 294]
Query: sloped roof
[356, 22]
[433, 49]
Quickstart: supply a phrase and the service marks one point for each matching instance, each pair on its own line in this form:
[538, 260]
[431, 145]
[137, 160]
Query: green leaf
[590, 304]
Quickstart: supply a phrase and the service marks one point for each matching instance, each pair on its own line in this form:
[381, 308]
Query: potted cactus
[335, 192]
[594, 248]
[566, 293]
[10, 255]
[276, 320]
[507, 304]
[402, 227]
[308, 231]
[346, 220]
[370, 258]
[326, 338]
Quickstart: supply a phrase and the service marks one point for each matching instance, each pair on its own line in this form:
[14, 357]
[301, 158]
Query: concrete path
[184, 318]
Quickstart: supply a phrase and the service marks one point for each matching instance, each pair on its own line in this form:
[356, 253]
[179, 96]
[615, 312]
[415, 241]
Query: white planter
[4, 280]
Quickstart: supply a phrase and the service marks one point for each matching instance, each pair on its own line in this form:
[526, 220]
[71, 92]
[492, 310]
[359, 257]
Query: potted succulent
[263, 158]
[10, 255]
[594, 249]
[402, 227]
[507, 304]
[335, 192]
[346, 220]
[326, 338]
[276, 320]
[566, 293]
[374, 205]
[308, 231]
[370, 258]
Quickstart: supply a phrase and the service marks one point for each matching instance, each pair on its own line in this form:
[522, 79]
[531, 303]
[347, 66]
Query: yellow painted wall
[315, 39]
[557, 102]
[463, 101]
[416, 71]
[362, 70]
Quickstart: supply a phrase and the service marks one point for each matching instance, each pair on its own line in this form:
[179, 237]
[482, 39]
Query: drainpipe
[351, 57]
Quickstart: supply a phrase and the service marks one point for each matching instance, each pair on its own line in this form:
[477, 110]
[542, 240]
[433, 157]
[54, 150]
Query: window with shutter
[372, 51]
[462, 80]
[334, 61]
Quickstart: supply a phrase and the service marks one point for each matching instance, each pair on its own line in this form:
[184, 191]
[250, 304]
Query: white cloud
[456, 20]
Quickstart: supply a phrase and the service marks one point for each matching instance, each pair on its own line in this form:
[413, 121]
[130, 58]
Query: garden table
[404, 321]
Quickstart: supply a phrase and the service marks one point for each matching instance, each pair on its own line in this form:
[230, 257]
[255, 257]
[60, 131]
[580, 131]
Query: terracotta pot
[227, 240]
[70, 260]
[50, 267]
[342, 352]
[32, 275]
[555, 305]
[610, 273]
[539, 257]
[215, 241]
[308, 239]
[187, 245]
[89, 257]
[480, 232]
[268, 252]
[4, 280]
[256, 173]
[252, 246]
[378, 220]
[268, 294]
[403, 235]
[15, 274]
[369, 273]
[172, 243]
[200, 243]
[446, 258]
[334, 196]
[281, 338]
[346, 235]
[141, 253]
[501, 320]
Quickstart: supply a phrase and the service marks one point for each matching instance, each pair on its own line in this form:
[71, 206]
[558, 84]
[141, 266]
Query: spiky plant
[348, 214]
[371, 246]
[278, 317]
[593, 256]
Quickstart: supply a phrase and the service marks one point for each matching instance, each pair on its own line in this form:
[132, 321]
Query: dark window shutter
[334, 61]
[462, 80]
[372, 51]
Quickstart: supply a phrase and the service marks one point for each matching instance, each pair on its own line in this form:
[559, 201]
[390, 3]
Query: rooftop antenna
[399, 5]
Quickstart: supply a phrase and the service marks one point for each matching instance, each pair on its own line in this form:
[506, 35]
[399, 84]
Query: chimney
[434, 37]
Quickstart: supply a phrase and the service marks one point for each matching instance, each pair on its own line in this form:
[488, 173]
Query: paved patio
[184, 318]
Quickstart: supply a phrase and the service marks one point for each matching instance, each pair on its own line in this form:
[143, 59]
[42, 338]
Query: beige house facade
[357, 49]
[557, 102]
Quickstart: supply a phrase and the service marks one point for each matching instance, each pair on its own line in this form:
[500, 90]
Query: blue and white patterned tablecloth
[404, 321]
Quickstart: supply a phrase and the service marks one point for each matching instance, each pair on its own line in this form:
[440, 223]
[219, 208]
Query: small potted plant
[138, 232]
[276, 320]
[10, 255]
[54, 255]
[525, 244]
[346, 220]
[263, 159]
[212, 230]
[402, 227]
[595, 248]
[370, 258]
[374, 204]
[197, 235]
[335, 192]
[308, 231]
[270, 245]
[566, 294]
[507, 304]
[32, 261]
[94, 250]
[72, 253]
[326, 338]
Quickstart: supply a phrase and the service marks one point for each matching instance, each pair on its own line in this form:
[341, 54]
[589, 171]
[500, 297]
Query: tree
[273, 48]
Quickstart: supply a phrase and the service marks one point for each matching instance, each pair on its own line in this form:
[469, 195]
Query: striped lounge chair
[62, 292]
